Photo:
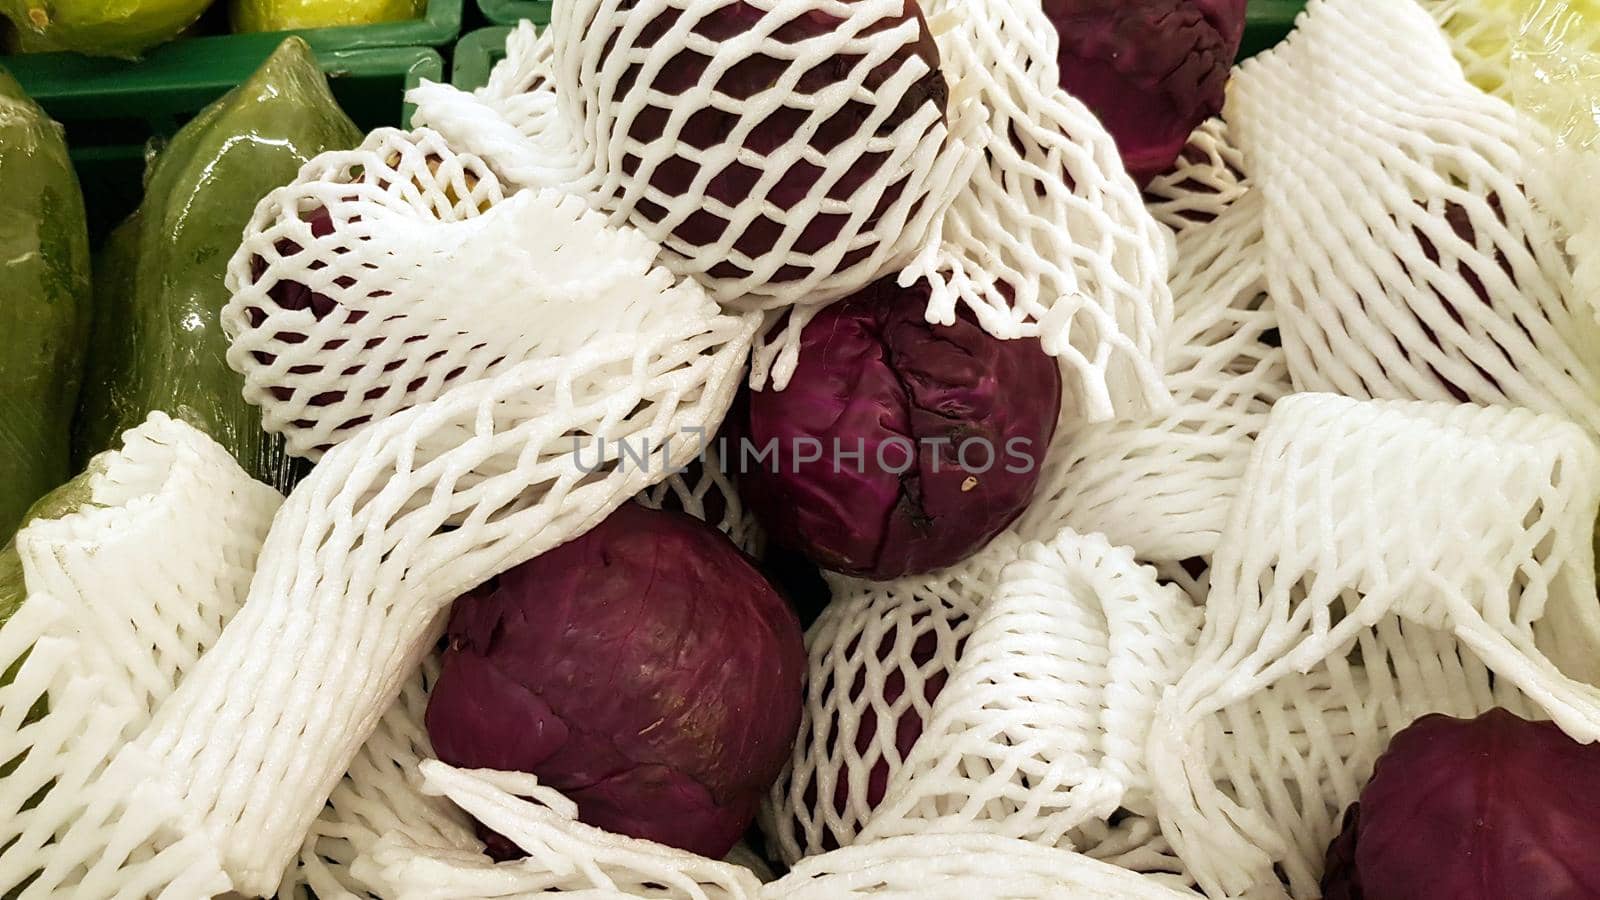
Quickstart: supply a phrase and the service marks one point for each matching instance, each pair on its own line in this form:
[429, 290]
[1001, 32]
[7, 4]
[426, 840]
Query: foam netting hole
[1402, 249]
[1384, 560]
[123, 597]
[1207, 179]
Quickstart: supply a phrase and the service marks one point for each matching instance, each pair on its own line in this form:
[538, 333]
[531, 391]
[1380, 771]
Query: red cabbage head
[950, 423]
[1151, 70]
[1481, 809]
[646, 670]
[728, 186]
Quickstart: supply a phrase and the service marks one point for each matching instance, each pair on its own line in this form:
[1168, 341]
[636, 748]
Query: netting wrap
[961, 867]
[123, 597]
[1385, 560]
[1040, 727]
[1007, 695]
[1163, 485]
[1403, 252]
[1050, 237]
[617, 370]
[564, 855]
[1207, 179]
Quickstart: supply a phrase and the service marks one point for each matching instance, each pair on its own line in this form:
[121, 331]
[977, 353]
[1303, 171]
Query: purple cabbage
[951, 425]
[1481, 809]
[712, 127]
[646, 670]
[1151, 70]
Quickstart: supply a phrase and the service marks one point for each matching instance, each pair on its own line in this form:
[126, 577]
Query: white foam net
[381, 794]
[650, 109]
[1207, 178]
[124, 595]
[417, 507]
[564, 855]
[1008, 695]
[879, 655]
[1163, 485]
[1051, 237]
[961, 867]
[1041, 725]
[1385, 560]
[1403, 253]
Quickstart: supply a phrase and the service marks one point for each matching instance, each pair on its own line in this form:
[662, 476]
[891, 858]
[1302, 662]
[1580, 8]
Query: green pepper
[44, 303]
[158, 344]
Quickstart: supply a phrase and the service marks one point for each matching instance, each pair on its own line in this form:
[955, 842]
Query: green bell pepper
[158, 344]
[44, 303]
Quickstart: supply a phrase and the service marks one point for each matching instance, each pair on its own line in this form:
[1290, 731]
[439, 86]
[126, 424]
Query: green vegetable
[158, 344]
[278, 15]
[44, 303]
[124, 28]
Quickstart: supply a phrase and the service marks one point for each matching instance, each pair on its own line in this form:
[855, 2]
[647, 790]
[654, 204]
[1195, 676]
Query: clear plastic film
[1555, 78]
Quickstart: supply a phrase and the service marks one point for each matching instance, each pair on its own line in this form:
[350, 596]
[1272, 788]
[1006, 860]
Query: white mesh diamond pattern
[879, 656]
[1404, 256]
[124, 595]
[1163, 486]
[962, 867]
[1208, 178]
[1050, 238]
[564, 855]
[1041, 726]
[1386, 559]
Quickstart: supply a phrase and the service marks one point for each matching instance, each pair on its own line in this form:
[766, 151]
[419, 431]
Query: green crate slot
[510, 12]
[1266, 23]
[476, 55]
[113, 109]
[439, 25]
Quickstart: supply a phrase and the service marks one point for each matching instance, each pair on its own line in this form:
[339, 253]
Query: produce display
[811, 449]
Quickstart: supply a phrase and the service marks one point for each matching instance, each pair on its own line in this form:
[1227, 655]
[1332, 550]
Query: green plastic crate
[114, 109]
[439, 25]
[510, 12]
[1266, 23]
[476, 55]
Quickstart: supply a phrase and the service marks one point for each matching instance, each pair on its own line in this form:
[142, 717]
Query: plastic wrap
[1555, 78]
[44, 308]
[161, 346]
